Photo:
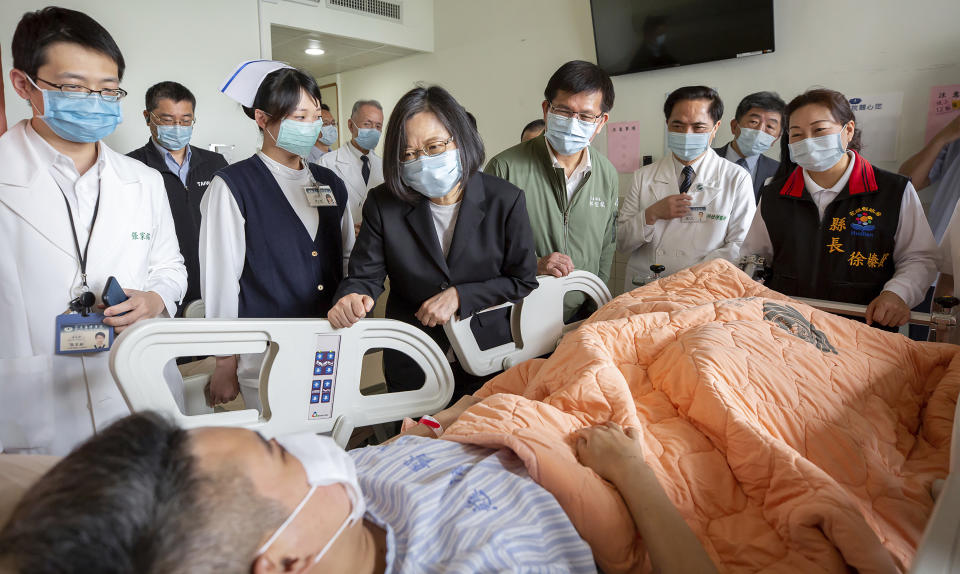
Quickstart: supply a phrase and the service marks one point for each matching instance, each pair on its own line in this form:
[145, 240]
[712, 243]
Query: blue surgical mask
[85, 119]
[568, 136]
[433, 176]
[328, 135]
[174, 137]
[818, 154]
[367, 138]
[754, 142]
[298, 137]
[688, 146]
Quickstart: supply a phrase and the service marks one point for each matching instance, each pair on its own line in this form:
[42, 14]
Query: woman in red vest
[832, 226]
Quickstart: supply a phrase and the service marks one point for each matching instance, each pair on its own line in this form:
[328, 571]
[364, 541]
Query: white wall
[495, 56]
[194, 43]
[415, 31]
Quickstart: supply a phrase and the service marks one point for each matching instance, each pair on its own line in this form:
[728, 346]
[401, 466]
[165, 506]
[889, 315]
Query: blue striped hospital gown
[449, 507]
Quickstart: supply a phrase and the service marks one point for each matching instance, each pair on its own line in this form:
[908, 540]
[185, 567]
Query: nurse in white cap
[276, 231]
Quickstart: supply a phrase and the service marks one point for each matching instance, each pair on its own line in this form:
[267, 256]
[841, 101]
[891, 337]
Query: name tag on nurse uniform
[320, 196]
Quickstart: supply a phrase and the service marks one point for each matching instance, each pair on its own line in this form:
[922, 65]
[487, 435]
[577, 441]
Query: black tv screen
[638, 35]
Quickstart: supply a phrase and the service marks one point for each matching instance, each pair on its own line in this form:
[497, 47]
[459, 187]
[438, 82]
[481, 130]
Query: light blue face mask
[174, 137]
[686, 146]
[84, 119]
[433, 176]
[328, 135]
[754, 142]
[298, 137]
[368, 138]
[818, 154]
[568, 136]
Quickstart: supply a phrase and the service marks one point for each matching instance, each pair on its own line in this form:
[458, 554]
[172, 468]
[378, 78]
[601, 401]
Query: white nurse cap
[242, 84]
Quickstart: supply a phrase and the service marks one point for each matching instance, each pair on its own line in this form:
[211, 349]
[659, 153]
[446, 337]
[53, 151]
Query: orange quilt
[791, 440]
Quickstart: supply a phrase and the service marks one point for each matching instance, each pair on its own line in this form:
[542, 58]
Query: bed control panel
[324, 378]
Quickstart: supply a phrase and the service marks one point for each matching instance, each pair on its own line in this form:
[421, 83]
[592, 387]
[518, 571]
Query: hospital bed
[313, 369]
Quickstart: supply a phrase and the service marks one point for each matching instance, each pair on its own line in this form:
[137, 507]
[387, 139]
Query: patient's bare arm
[446, 417]
[618, 457]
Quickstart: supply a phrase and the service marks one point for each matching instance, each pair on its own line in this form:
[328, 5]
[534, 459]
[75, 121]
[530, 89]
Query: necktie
[742, 163]
[365, 170]
[687, 179]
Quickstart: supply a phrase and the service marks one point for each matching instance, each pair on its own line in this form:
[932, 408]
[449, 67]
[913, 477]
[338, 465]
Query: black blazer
[491, 258]
[185, 203]
[766, 167]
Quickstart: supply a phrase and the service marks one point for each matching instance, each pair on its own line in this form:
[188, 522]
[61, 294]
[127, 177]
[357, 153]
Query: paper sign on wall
[623, 146]
[944, 106]
[878, 117]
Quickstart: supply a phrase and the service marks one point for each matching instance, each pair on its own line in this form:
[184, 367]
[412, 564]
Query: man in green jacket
[571, 189]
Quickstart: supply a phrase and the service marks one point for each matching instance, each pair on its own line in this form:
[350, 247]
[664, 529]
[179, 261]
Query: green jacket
[586, 228]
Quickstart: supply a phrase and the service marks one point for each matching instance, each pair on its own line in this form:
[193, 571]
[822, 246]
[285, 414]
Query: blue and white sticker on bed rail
[324, 380]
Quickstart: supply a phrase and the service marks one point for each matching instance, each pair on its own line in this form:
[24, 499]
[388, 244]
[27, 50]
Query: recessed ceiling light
[314, 51]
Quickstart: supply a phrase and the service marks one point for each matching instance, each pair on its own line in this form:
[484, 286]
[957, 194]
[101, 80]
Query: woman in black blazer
[452, 239]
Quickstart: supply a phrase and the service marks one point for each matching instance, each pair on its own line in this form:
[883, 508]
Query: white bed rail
[311, 375]
[536, 324]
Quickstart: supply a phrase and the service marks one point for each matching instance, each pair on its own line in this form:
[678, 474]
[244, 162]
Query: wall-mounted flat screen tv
[639, 35]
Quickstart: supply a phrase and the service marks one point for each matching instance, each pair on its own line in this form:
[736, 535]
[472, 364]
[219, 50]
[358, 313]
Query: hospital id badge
[75, 333]
[696, 215]
[320, 196]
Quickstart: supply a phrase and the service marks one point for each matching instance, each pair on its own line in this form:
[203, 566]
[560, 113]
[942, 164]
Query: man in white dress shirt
[73, 213]
[690, 206]
[356, 163]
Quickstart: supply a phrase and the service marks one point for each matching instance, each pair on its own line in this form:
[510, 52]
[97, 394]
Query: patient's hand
[349, 309]
[610, 450]
[449, 415]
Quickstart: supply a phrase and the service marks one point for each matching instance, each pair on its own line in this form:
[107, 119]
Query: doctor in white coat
[355, 163]
[690, 206]
[51, 402]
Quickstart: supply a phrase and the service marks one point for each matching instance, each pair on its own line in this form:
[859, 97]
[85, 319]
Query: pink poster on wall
[944, 106]
[623, 146]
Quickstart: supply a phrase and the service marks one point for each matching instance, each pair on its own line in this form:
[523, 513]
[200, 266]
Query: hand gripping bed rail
[942, 320]
[310, 380]
[536, 324]
[939, 550]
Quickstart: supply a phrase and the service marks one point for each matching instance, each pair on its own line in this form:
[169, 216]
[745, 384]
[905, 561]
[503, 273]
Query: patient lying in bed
[146, 496]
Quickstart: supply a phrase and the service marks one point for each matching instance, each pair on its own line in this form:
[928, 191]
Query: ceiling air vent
[379, 8]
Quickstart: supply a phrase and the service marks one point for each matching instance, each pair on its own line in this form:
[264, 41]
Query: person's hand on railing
[556, 264]
[349, 309]
[440, 308]
[887, 309]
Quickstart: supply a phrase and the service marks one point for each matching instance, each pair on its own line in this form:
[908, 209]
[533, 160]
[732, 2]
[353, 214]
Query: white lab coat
[345, 162]
[722, 187]
[49, 402]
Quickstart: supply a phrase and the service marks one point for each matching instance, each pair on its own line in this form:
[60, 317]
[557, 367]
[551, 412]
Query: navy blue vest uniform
[185, 204]
[286, 274]
[848, 255]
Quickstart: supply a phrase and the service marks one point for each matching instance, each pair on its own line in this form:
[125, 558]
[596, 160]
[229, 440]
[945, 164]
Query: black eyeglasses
[76, 91]
[584, 117]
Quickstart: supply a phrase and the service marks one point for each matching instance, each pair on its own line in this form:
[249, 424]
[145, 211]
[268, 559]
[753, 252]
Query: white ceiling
[340, 54]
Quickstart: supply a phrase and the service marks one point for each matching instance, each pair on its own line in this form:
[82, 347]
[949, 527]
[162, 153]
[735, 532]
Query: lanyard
[81, 257]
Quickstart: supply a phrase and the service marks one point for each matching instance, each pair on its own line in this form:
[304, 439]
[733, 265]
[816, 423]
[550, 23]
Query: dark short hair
[325, 107]
[695, 93]
[37, 30]
[451, 114]
[537, 124]
[578, 76]
[840, 109]
[168, 91]
[768, 101]
[100, 334]
[279, 92]
[131, 499]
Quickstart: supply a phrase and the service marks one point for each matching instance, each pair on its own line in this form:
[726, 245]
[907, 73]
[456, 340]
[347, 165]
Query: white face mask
[325, 463]
[819, 153]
